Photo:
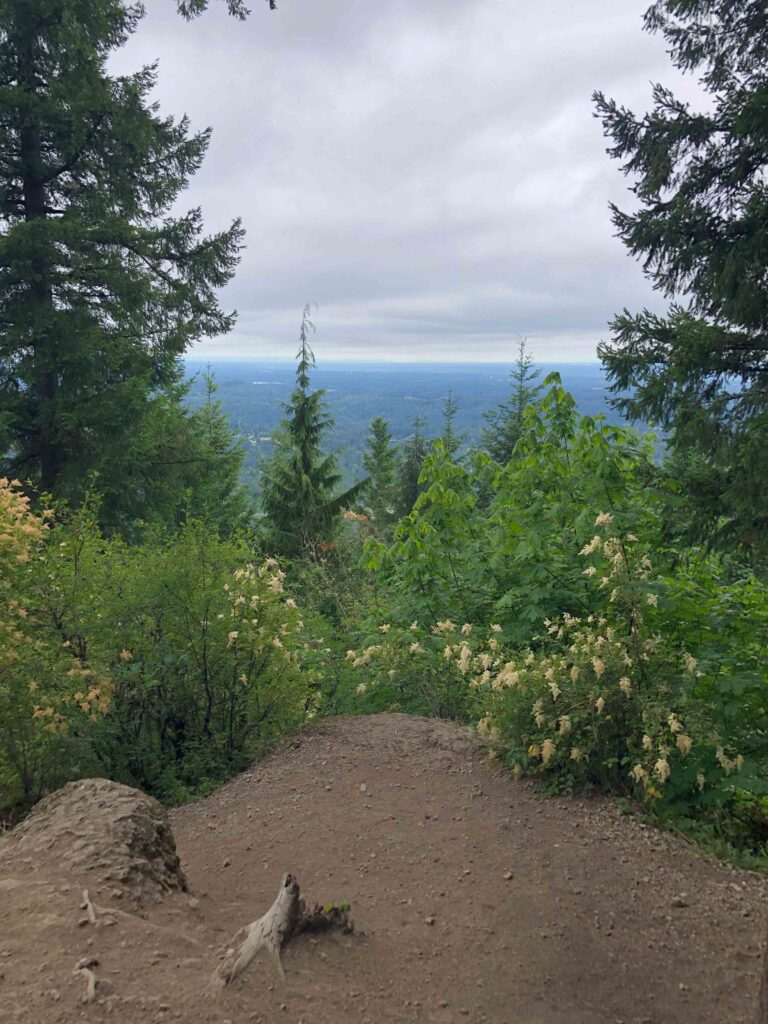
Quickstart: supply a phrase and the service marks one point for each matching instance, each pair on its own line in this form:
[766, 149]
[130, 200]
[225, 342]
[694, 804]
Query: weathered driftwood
[288, 916]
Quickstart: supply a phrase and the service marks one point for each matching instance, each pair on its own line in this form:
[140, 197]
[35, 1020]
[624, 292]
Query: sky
[429, 173]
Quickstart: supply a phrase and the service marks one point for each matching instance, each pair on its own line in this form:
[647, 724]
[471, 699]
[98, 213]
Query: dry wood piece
[288, 916]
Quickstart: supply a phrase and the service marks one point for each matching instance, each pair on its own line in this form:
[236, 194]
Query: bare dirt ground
[474, 897]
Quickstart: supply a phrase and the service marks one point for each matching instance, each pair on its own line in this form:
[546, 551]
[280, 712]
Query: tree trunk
[43, 443]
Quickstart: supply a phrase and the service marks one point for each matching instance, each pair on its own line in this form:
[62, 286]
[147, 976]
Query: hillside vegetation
[598, 614]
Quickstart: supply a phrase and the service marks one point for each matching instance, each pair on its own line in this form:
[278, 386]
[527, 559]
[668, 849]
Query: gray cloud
[429, 172]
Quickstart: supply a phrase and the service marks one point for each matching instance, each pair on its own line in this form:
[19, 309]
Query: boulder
[105, 834]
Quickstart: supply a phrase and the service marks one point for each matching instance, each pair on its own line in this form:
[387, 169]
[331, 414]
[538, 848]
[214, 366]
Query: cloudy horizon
[431, 175]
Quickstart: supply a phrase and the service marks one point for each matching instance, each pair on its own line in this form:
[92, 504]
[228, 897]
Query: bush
[166, 664]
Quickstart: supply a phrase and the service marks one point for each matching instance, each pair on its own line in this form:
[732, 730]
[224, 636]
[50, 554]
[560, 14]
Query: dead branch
[288, 916]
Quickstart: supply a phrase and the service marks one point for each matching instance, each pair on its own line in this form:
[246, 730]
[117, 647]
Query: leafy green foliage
[648, 675]
[512, 556]
[701, 232]
[167, 664]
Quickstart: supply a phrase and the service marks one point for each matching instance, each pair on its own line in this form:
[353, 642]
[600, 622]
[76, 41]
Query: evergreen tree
[415, 449]
[701, 229]
[101, 288]
[451, 441]
[191, 8]
[180, 462]
[380, 464]
[505, 422]
[300, 481]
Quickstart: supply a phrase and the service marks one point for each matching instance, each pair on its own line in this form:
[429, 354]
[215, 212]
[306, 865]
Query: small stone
[679, 901]
[363, 788]
[227, 862]
[429, 921]
[87, 961]
[508, 876]
[194, 903]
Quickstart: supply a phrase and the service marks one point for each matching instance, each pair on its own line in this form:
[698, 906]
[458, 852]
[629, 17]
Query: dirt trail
[475, 898]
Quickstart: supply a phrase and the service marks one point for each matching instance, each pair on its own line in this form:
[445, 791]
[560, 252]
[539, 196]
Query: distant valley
[252, 393]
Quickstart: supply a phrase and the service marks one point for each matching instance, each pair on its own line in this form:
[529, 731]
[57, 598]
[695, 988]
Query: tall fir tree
[505, 422]
[101, 287]
[414, 450]
[380, 464]
[300, 482]
[700, 228]
[451, 440]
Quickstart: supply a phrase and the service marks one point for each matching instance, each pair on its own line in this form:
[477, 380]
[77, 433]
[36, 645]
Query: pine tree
[451, 440]
[300, 481]
[414, 450]
[101, 288]
[380, 464]
[505, 422]
[701, 230]
[192, 8]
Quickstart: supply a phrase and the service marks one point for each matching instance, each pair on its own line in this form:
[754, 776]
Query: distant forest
[251, 393]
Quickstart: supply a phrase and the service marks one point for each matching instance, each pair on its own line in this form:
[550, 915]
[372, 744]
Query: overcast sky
[429, 172]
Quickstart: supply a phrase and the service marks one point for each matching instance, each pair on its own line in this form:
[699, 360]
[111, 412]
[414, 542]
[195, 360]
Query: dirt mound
[475, 899]
[108, 834]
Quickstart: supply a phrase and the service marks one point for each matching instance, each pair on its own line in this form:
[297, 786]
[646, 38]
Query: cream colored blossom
[351, 655]
[599, 705]
[661, 769]
[684, 743]
[126, 655]
[577, 754]
[590, 571]
[466, 629]
[652, 599]
[647, 742]
[625, 686]
[415, 647]
[594, 545]
[564, 725]
[599, 666]
[290, 603]
[575, 673]
[548, 748]
[701, 781]
[415, 624]
[554, 689]
[464, 660]
[231, 637]
[495, 628]
[361, 689]
[673, 723]
[690, 662]
[604, 519]
[639, 774]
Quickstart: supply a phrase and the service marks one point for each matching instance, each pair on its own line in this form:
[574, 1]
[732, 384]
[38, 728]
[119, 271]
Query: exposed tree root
[288, 916]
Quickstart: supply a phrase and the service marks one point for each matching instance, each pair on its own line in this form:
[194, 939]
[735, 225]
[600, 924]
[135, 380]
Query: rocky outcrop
[104, 833]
